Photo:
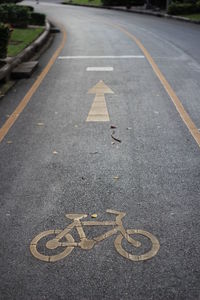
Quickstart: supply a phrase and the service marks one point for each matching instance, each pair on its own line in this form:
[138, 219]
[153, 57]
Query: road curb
[139, 11]
[12, 63]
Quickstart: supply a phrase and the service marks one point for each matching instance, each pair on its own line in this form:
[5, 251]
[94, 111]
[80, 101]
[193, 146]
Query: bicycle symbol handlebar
[63, 240]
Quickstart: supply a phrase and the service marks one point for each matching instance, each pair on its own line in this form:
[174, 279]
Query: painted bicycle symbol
[64, 241]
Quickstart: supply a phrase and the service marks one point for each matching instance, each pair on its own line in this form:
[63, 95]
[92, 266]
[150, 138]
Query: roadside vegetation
[194, 17]
[184, 8]
[21, 38]
[85, 2]
[16, 30]
[126, 3]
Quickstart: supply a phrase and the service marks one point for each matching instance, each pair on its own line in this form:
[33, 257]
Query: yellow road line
[14, 116]
[180, 108]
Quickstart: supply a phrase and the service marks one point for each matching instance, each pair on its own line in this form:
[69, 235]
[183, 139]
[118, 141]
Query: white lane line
[101, 57]
[101, 69]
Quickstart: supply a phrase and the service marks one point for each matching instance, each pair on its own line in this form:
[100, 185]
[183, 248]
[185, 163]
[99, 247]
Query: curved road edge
[139, 11]
[25, 54]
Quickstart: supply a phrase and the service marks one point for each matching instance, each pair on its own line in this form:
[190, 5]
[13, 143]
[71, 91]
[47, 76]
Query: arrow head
[100, 89]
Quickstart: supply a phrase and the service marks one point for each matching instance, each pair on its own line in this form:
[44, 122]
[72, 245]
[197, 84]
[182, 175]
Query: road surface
[61, 156]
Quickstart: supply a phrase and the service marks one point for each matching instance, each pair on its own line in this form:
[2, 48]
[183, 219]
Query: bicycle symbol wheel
[50, 258]
[151, 253]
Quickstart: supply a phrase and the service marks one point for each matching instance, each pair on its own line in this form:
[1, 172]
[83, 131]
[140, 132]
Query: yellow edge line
[180, 108]
[14, 116]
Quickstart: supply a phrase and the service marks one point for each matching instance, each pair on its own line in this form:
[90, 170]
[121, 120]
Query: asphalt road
[53, 162]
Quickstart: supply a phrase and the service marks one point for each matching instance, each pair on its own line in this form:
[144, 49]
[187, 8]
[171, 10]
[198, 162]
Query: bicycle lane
[70, 165]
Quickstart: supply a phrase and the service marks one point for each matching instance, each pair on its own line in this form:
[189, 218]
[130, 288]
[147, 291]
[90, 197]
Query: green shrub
[138, 2]
[17, 16]
[127, 3]
[9, 1]
[31, 8]
[4, 38]
[107, 2]
[158, 3]
[37, 19]
[182, 8]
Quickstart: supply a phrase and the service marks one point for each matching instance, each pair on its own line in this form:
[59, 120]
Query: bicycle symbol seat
[65, 243]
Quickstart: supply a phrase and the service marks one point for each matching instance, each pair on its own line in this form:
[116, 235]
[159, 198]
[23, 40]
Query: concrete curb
[12, 63]
[138, 11]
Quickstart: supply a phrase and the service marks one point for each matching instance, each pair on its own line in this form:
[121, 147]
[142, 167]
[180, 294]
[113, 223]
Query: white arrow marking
[98, 111]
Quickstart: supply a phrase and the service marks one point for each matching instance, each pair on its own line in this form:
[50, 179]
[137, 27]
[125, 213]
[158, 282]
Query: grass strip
[21, 38]
[193, 17]
[85, 2]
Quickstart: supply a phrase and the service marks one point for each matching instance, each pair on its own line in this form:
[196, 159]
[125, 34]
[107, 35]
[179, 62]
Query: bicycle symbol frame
[88, 244]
